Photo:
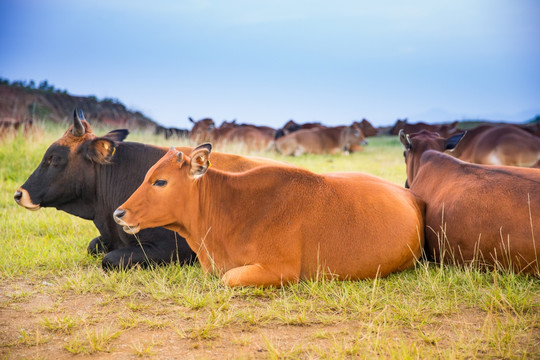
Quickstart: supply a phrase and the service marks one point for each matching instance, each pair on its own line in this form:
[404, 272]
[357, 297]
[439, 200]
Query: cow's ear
[452, 141]
[101, 150]
[199, 160]
[117, 135]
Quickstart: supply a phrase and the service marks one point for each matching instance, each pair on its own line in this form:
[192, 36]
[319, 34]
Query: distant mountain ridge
[22, 103]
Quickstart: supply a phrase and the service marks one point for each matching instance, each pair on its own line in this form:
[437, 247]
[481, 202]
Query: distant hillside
[21, 102]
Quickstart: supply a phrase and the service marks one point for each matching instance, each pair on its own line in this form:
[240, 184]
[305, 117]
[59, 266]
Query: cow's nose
[17, 196]
[119, 213]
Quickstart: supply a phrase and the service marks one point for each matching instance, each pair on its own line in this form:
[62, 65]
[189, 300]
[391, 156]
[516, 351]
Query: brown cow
[499, 145]
[367, 128]
[249, 137]
[321, 140]
[277, 225]
[203, 130]
[474, 212]
[270, 131]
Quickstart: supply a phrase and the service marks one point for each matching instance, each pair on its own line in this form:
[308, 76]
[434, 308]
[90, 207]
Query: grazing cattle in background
[474, 212]
[12, 126]
[247, 136]
[366, 127]
[532, 128]
[170, 132]
[321, 140]
[292, 126]
[267, 130]
[499, 145]
[202, 130]
[443, 130]
[277, 225]
[89, 176]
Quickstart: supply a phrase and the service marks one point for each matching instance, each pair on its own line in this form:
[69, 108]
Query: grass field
[57, 303]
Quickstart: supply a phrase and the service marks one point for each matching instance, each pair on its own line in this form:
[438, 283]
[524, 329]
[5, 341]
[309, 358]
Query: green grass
[55, 299]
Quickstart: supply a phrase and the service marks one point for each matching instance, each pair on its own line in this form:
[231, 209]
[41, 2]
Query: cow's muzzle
[23, 199]
[17, 196]
[118, 218]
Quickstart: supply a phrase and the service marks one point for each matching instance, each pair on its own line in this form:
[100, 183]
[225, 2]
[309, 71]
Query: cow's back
[369, 226]
[251, 138]
[472, 208]
[499, 145]
[315, 141]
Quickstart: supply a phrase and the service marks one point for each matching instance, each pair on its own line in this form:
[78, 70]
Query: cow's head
[164, 195]
[416, 144]
[353, 136]
[398, 126]
[366, 127]
[202, 130]
[66, 172]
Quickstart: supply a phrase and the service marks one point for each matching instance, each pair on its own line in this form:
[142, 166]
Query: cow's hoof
[97, 247]
[110, 262]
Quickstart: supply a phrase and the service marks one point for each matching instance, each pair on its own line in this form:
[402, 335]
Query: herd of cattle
[257, 221]
[292, 139]
[495, 144]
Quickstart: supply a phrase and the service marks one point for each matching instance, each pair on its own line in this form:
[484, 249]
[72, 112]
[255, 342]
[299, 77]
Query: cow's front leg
[158, 253]
[260, 275]
[97, 246]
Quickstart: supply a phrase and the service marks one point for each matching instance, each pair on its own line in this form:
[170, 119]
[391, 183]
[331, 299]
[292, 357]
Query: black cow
[169, 132]
[89, 177]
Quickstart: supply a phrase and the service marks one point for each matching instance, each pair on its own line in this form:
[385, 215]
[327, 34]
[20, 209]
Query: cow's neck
[226, 210]
[116, 181]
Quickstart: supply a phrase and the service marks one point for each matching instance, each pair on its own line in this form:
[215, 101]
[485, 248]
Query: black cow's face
[65, 178]
[47, 184]
[58, 179]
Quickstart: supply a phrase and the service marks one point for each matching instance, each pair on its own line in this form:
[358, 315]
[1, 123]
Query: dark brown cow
[291, 126]
[443, 130]
[499, 145]
[367, 128]
[321, 140]
[474, 212]
[277, 225]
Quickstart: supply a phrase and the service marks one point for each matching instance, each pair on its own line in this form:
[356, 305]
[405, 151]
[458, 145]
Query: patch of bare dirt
[32, 315]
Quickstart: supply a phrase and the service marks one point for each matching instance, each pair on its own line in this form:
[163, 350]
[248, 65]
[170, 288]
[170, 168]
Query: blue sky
[266, 62]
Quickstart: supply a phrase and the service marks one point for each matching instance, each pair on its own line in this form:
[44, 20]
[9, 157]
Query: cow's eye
[55, 160]
[160, 183]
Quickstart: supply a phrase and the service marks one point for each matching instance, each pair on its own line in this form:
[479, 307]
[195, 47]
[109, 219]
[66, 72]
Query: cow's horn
[179, 154]
[78, 127]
